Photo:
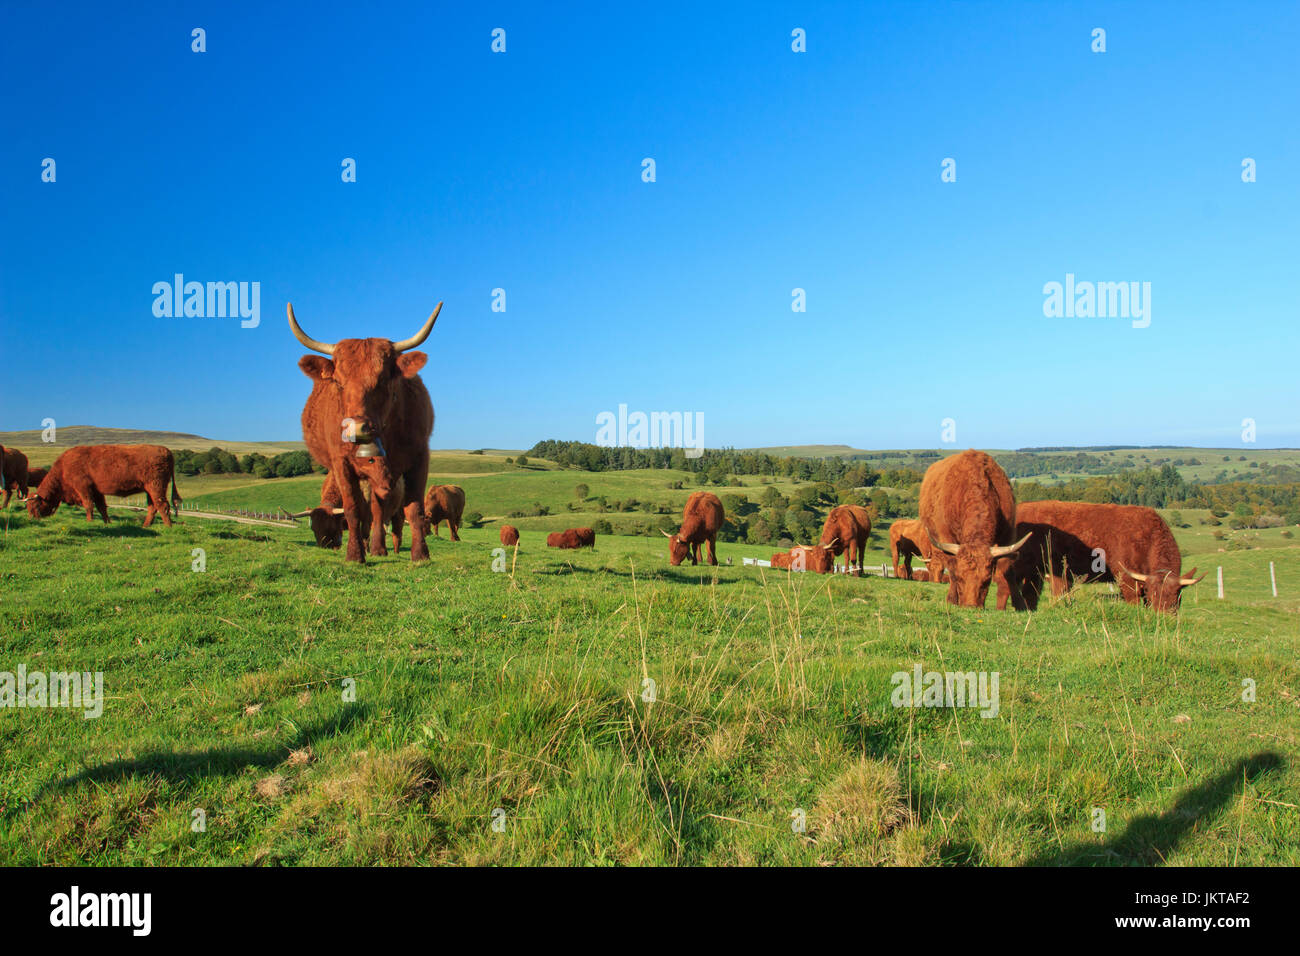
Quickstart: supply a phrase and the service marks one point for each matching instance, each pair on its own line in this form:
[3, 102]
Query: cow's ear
[410, 363]
[316, 367]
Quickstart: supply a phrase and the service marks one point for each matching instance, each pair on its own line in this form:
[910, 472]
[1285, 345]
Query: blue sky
[775, 170]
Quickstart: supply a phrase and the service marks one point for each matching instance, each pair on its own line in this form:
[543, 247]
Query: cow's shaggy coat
[85, 474]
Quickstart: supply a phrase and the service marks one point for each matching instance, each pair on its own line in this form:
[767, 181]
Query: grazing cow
[369, 418]
[15, 474]
[907, 540]
[586, 537]
[804, 557]
[920, 574]
[1075, 540]
[509, 535]
[969, 513]
[327, 519]
[444, 503]
[85, 474]
[35, 476]
[701, 520]
[846, 532]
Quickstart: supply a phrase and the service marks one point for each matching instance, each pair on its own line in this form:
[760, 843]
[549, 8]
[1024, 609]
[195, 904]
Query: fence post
[1220, 582]
[1272, 577]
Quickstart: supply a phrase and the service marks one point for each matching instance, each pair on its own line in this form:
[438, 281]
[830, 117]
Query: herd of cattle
[369, 419]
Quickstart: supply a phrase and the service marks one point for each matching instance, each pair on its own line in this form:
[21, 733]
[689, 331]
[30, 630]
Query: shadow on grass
[1149, 840]
[119, 528]
[182, 767]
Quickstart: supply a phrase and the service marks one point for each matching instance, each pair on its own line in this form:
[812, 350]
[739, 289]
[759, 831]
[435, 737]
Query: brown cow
[1075, 540]
[327, 519]
[846, 532]
[969, 513]
[572, 538]
[509, 535]
[85, 474]
[920, 574]
[444, 503]
[15, 474]
[701, 520]
[804, 557]
[35, 476]
[907, 539]
[369, 418]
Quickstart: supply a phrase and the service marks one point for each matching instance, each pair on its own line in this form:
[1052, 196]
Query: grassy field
[480, 694]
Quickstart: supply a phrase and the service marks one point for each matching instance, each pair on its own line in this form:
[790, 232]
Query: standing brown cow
[969, 513]
[444, 503]
[369, 418]
[907, 539]
[35, 476]
[1093, 542]
[846, 532]
[85, 474]
[563, 539]
[701, 520]
[15, 474]
[509, 535]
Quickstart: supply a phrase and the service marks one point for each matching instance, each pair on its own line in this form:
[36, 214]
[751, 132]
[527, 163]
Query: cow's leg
[150, 511]
[100, 504]
[454, 525]
[352, 503]
[9, 490]
[377, 546]
[414, 482]
[397, 531]
[713, 554]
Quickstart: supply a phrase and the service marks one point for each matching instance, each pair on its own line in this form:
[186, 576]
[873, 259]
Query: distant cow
[803, 557]
[572, 538]
[846, 532]
[15, 474]
[85, 474]
[1077, 541]
[969, 513]
[920, 574]
[509, 535]
[907, 540]
[444, 503]
[35, 476]
[701, 519]
[369, 418]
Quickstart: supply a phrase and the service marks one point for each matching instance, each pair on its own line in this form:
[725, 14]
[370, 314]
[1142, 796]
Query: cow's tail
[176, 498]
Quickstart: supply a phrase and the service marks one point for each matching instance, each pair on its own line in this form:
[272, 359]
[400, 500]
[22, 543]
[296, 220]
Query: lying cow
[815, 558]
[572, 538]
[85, 474]
[444, 503]
[509, 535]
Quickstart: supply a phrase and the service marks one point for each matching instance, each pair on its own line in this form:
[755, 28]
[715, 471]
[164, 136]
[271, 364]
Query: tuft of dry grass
[862, 805]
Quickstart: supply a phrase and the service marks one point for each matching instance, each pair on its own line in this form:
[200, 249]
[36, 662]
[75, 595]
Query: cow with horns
[369, 418]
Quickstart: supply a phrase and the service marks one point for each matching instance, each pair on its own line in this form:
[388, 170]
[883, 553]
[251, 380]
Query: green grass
[476, 690]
